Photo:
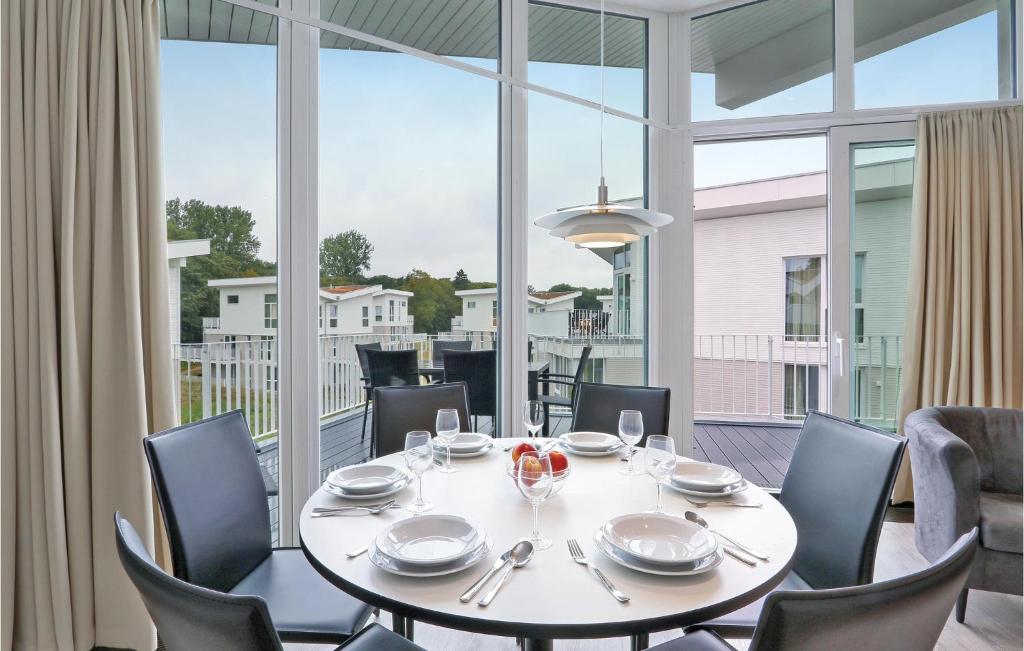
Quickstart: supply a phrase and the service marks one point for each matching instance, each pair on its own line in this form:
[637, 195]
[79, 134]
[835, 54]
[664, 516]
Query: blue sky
[408, 149]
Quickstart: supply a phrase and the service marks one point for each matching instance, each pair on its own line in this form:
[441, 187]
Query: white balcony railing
[211, 323]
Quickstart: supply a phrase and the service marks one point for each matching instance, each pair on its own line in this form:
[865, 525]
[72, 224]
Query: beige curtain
[963, 331]
[85, 351]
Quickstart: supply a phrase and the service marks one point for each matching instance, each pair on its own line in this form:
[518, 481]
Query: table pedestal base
[402, 625]
[639, 642]
[531, 644]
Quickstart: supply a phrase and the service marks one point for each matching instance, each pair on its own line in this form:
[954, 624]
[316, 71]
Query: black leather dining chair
[837, 490]
[399, 410]
[479, 370]
[547, 378]
[214, 506]
[907, 613]
[364, 369]
[192, 618]
[441, 345]
[598, 407]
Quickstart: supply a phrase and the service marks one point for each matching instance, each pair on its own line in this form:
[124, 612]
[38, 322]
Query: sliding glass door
[871, 184]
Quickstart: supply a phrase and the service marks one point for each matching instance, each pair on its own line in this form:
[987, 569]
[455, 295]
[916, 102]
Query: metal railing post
[771, 374]
[206, 368]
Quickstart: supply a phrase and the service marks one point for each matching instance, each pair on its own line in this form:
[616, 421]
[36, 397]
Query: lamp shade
[603, 225]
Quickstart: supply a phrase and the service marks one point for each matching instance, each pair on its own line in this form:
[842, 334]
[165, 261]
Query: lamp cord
[602, 92]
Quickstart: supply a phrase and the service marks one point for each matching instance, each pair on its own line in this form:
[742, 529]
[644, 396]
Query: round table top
[551, 597]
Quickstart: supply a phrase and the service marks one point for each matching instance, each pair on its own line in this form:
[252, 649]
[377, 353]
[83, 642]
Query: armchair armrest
[547, 374]
[545, 380]
[947, 484]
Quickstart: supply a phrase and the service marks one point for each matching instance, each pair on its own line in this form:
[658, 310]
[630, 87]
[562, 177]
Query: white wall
[480, 317]
[246, 316]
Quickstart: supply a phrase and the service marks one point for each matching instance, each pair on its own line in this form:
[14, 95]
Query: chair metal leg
[546, 418]
[366, 410]
[402, 626]
[961, 606]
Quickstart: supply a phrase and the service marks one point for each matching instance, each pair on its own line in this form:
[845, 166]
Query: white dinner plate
[707, 477]
[590, 441]
[339, 492]
[731, 490]
[659, 538]
[365, 479]
[394, 566]
[704, 565]
[429, 540]
[465, 442]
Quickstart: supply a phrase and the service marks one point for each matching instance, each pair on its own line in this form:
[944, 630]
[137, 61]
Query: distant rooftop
[343, 289]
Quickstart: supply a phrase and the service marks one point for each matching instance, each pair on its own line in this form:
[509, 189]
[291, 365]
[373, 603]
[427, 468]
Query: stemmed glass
[419, 456]
[533, 477]
[631, 430]
[660, 459]
[533, 416]
[447, 425]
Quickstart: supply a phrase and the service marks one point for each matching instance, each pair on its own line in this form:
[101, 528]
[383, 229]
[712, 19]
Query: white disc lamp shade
[603, 225]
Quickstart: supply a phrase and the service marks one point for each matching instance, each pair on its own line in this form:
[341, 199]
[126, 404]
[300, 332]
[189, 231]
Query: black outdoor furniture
[364, 368]
[478, 369]
[441, 345]
[192, 618]
[967, 473]
[214, 504]
[385, 368]
[907, 613]
[572, 381]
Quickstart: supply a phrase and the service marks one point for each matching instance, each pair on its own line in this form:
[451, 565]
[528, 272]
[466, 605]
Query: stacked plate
[706, 479]
[429, 545]
[590, 444]
[366, 482]
[466, 444]
[659, 543]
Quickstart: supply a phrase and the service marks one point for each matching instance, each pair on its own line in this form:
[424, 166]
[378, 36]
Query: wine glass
[631, 430]
[533, 477]
[447, 425]
[660, 459]
[533, 416]
[419, 455]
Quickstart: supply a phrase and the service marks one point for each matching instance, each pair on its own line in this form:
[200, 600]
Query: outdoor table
[534, 369]
[552, 597]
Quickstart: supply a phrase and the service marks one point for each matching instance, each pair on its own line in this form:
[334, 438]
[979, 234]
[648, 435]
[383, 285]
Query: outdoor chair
[386, 368]
[400, 410]
[907, 613]
[214, 505]
[967, 473]
[598, 407]
[364, 369]
[479, 370]
[561, 379]
[837, 490]
[192, 618]
[441, 345]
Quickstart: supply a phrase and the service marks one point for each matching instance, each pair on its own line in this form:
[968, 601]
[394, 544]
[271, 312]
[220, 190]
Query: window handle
[839, 352]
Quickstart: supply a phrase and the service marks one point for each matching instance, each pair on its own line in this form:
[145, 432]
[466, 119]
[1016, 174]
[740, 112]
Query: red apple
[531, 471]
[559, 462]
[519, 449]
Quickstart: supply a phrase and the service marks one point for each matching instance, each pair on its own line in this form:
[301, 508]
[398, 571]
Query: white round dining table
[551, 597]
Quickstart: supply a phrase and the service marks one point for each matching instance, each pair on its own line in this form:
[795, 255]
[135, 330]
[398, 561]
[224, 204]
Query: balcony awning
[456, 28]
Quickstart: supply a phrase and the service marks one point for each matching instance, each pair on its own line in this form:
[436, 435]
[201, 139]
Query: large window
[772, 57]
[803, 297]
[934, 52]
[564, 311]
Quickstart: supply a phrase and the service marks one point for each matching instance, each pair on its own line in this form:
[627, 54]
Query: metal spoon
[498, 564]
[696, 519]
[521, 555]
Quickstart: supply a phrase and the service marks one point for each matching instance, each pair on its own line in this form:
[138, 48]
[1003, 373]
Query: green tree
[233, 253]
[434, 302]
[588, 299]
[345, 255]
[461, 280]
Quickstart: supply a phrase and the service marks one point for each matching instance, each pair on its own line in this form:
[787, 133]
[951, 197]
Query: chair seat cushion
[303, 605]
[696, 640]
[377, 638]
[1001, 522]
[741, 623]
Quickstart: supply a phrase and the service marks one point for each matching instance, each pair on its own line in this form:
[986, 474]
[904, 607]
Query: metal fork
[577, 555]
[700, 504]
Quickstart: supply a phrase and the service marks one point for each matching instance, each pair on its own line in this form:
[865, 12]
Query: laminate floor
[994, 621]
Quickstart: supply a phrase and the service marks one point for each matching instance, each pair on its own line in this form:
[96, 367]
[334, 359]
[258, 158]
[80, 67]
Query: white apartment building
[249, 310]
[178, 252]
[548, 312]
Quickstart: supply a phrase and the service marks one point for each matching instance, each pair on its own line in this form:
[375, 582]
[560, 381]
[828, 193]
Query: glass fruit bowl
[559, 477]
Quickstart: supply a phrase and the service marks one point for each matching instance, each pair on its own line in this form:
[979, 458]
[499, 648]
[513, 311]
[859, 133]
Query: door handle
[839, 352]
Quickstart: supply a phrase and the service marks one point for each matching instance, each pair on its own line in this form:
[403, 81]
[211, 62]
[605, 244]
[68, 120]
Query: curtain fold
[964, 340]
[86, 356]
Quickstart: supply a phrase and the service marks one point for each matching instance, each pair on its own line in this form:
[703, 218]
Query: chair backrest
[441, 345]
[364, 364]
[907, 613]
[582, 366]
[190, 617]
[837, 490]
[479, 370]
[598, 406]
[399, 410]
[994, 436]
[392, 368]
[213, 498]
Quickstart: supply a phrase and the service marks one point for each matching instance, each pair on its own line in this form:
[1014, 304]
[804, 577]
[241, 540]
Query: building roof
[548, 296]
[342, 289]
[178, 249]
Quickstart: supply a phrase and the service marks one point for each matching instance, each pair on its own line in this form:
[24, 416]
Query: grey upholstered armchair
[967, 472]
